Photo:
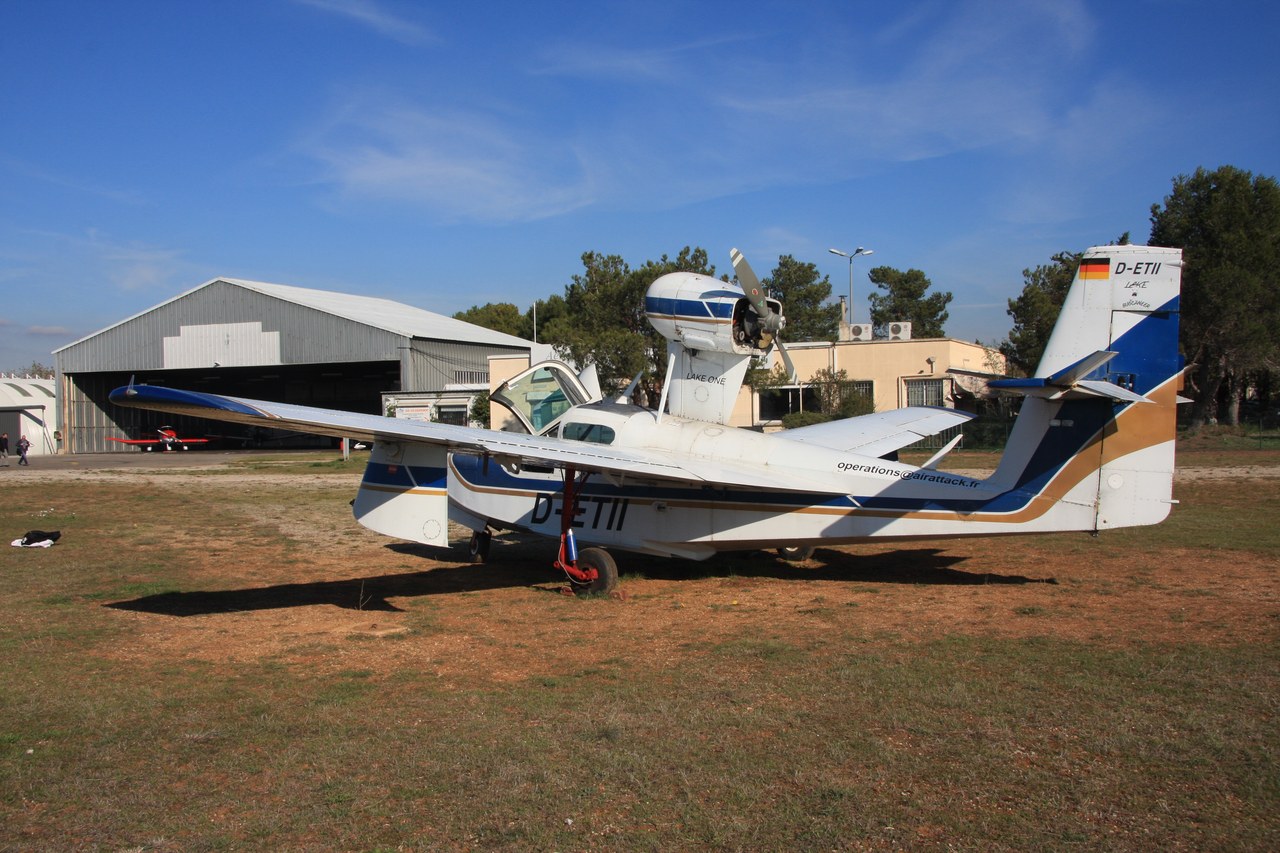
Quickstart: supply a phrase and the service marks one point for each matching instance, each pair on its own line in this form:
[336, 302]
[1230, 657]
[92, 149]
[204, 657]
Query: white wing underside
[872, 435]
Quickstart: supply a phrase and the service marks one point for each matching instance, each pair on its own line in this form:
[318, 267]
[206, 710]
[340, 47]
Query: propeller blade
[786, 360]
[755, 291]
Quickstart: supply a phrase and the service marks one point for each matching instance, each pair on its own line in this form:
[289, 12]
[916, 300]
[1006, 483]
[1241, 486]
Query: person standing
[4, 449]
[23, 447]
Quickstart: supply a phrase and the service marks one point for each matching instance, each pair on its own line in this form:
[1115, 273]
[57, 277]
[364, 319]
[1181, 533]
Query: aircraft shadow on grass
[929, 566]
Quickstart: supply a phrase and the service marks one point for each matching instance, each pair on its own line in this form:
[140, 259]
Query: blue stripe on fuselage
[471, 470]
[693, 309]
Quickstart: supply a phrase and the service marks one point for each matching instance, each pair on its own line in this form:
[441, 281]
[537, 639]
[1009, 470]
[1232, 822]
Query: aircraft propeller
[770, 321]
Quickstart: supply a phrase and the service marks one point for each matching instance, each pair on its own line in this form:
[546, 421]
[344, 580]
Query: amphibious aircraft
[1091, 449]
[166, 439]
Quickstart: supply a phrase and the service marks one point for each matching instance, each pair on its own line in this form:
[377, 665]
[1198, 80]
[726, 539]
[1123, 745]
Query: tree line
[600, 318]
[1227, 222]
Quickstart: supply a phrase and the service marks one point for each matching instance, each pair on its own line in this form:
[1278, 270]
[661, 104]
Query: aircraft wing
[526, 449]
[135, 440]
[879, 433]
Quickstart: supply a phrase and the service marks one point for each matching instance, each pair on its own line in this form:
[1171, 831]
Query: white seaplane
[1092, 447]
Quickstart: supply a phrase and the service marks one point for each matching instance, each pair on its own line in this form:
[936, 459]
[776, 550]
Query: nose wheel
[600, 562]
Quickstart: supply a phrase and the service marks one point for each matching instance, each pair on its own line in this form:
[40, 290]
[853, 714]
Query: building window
[859, 388]
[776, 402]
[926, 392]
[456, 415]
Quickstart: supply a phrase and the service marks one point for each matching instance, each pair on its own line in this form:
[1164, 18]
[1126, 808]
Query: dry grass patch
[223, 662]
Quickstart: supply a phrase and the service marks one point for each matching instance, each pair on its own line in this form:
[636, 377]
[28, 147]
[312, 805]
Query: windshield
[540, 396]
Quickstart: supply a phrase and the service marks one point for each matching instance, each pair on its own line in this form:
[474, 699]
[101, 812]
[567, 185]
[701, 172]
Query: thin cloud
[49, 331]
[462, 166]
[370, 14]
[666, 63]
[966, 79]
[39, 173]
[974, 79]
[95, 256]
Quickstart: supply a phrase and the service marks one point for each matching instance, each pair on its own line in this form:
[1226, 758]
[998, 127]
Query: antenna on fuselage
[625, 396]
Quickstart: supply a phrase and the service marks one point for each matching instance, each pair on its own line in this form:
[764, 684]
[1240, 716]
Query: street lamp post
[851, 256]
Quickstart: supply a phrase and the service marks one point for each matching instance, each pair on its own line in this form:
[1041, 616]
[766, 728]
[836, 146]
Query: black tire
[795, 553]
[478, 551]
[606, 571]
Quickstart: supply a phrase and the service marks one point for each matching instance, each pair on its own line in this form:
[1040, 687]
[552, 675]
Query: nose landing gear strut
[590, 571]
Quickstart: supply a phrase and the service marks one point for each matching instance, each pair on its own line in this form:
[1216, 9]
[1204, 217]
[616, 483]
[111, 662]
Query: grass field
[225, 660]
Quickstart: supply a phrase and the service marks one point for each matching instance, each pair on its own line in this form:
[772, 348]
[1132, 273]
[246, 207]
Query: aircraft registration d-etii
[1092, 447]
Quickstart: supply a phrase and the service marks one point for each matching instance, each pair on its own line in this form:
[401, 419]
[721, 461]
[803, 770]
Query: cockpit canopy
[540, 396]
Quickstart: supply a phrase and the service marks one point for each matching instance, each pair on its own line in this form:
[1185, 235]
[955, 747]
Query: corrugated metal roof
[385, 314]
[25, 392]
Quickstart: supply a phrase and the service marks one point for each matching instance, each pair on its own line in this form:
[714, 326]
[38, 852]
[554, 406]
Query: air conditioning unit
[899, 331]
[860, 332]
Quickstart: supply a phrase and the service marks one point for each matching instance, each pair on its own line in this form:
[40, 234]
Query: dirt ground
[348, 599]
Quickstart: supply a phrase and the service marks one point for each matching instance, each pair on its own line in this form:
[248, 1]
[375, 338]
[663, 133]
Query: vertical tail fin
[1097, 431]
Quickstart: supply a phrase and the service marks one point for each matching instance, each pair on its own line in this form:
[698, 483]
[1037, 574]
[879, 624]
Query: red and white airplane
[1092, 447]
[166, 439]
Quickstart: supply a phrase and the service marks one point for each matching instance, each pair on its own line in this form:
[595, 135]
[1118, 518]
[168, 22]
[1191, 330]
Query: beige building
[894, 373]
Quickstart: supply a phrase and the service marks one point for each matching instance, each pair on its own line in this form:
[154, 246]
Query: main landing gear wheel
[606, 571]
[478, 551]
[795, 553]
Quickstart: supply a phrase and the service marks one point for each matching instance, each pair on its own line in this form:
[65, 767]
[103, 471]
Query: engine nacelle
[708, 315]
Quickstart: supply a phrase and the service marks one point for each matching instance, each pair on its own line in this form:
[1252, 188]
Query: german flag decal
[1095, 268]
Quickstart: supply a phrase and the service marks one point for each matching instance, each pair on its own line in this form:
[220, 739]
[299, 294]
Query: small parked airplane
[167, 440]
[1092, 447]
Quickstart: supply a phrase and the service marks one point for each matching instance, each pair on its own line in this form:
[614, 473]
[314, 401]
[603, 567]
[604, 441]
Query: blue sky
[452, 154]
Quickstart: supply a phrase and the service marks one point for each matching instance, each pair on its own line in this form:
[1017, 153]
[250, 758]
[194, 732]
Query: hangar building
[27, 408]
[267, 342]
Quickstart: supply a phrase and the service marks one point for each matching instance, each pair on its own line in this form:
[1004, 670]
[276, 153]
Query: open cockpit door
[541, 395]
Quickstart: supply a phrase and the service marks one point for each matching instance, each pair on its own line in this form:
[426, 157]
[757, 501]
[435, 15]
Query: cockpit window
[540, 396]
[591, 433]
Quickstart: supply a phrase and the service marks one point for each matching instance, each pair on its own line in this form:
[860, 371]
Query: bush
[856, 404]
[803, 419]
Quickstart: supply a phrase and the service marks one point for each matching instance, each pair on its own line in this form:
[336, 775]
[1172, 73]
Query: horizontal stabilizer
[1069, 383]
[1082, 368]
[1101, 388]
[879, 433]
